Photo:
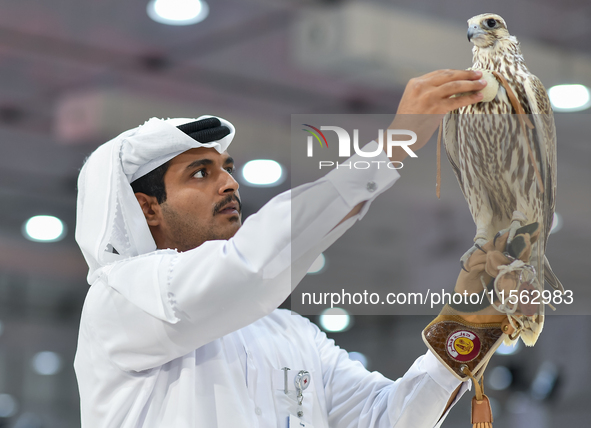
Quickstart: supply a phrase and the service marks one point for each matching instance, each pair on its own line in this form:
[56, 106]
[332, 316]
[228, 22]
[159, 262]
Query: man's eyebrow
[199, 162]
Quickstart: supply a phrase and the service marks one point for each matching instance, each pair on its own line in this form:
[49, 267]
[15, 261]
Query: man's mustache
[217, 207]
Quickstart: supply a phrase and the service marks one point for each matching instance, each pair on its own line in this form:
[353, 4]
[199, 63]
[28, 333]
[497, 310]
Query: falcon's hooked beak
[474, 31]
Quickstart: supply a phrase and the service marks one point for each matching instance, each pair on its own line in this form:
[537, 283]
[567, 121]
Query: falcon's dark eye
[490, 23]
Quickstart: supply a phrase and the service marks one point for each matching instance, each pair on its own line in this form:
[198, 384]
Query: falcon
[503, 153]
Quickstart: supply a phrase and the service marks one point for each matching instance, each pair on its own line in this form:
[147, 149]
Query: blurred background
[75, 73]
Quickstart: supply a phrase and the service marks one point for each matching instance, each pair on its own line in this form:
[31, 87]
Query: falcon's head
[484, 30]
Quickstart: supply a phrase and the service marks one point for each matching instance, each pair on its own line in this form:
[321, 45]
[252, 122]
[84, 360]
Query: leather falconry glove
[469, 329]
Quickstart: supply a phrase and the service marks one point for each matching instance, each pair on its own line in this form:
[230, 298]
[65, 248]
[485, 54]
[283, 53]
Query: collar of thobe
[110, 225]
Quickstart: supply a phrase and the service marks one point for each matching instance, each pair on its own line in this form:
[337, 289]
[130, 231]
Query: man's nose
[229, 183]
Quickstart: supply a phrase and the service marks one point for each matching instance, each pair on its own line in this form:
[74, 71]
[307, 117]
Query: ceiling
[75, 73]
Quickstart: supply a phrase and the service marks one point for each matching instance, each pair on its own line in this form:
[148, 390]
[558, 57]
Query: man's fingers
[441, 77]
[460, 86]
[429, 94]
[498, 243]
[493, 261]
[476, 259]
[463, 101]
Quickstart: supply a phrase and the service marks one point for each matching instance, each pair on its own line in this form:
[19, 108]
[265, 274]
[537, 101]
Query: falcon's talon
[480, 248]
[478, 243]
[498, 235]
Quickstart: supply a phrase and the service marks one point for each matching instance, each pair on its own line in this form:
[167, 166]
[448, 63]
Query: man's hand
[430, 94]
[427, 98]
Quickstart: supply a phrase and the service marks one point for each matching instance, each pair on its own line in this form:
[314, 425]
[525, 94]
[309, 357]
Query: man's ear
[150, 208]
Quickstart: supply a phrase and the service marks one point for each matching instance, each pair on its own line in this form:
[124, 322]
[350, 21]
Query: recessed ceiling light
[44, 228]
[335, 319]
[47, 363]
[8, 406]
[178, 12]
[263, 172]
[318, 264]
[569, 97]
[500, 378]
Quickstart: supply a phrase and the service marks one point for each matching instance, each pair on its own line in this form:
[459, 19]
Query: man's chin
[235, 229]
[228, 231]
[221, 236]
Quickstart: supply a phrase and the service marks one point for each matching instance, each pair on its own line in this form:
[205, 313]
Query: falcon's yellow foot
[478, 243]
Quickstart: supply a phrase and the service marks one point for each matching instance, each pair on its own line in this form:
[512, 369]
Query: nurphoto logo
[344, 140]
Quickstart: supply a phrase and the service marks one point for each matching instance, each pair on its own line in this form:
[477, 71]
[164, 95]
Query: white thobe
[194, 340]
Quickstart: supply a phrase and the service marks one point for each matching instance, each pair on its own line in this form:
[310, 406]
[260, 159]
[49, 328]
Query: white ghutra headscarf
[110, 225]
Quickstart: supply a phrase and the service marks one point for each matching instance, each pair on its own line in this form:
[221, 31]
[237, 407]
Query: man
[179, 328]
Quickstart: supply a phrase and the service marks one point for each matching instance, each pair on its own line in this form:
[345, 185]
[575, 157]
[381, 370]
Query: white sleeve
[153, 308]
[357, 398]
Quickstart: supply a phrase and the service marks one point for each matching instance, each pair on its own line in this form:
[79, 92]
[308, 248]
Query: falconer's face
[202, 200]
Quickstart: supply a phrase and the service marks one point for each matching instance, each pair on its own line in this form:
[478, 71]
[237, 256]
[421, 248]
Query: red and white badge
[302, 380]
[463, 345]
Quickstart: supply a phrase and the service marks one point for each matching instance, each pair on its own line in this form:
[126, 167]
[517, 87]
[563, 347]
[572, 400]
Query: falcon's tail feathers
[550, 277]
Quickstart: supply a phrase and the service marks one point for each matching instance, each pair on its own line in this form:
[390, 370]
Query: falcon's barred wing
[544, 142]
